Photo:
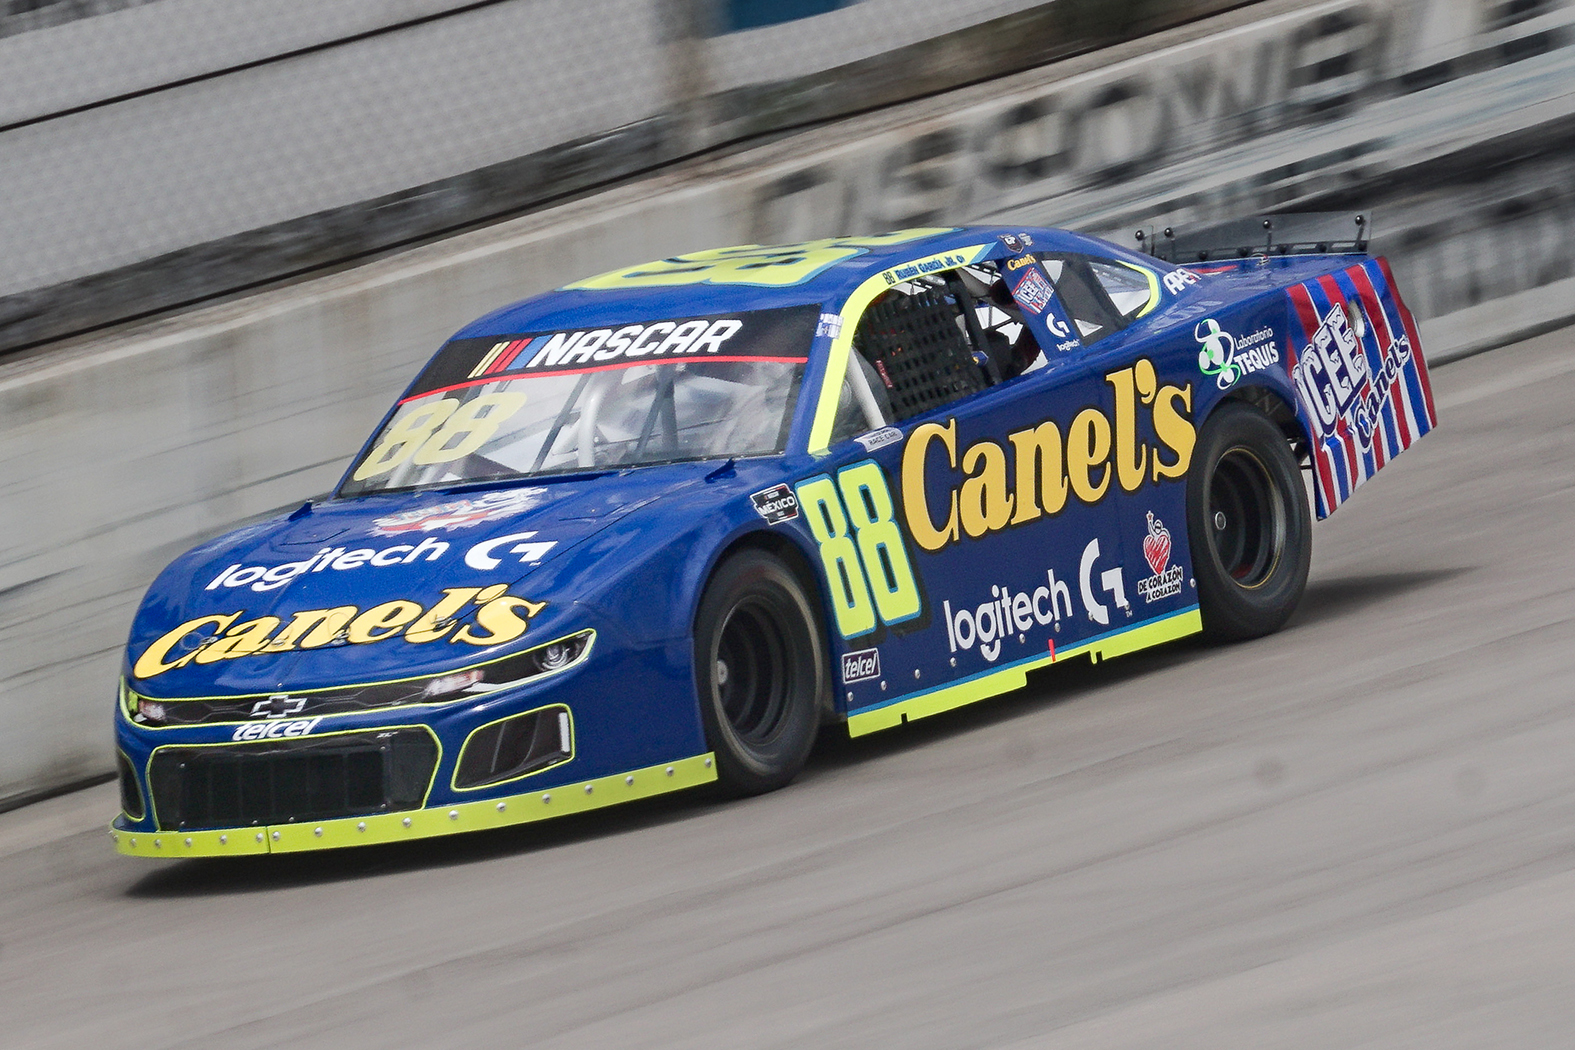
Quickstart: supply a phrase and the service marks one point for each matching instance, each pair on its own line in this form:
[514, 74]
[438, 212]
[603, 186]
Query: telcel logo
[858, 666]
[275, 730]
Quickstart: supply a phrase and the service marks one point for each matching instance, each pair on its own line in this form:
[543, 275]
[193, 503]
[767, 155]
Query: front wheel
[760, 673]
[1248, 523]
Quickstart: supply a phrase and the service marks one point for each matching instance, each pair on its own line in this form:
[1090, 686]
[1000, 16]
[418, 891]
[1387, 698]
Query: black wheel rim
[1246, 518]
[753, 671]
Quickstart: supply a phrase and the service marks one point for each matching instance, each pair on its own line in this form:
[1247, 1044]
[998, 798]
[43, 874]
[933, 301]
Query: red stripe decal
[507, 357]
[600, 368]
[1416, 342]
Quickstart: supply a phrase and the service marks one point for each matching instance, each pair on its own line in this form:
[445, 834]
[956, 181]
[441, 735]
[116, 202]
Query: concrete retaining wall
[122, 451]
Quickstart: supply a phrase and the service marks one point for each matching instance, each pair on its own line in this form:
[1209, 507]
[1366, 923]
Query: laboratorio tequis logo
[1227, 358]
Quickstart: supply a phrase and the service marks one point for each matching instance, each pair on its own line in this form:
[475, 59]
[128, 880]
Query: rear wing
[1302, 233]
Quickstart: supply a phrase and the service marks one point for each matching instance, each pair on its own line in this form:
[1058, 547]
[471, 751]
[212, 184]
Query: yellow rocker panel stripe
[946, 698]
[422, 823]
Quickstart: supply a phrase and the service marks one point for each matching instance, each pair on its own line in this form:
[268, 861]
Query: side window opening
[1084, 297]
[938, 338]
[922, 354]
[1130, 290]
[862, 403]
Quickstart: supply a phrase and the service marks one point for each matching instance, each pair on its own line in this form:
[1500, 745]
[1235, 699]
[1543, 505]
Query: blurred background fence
[154, 153]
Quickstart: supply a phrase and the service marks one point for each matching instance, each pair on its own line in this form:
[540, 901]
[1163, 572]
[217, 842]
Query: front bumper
[419, 823]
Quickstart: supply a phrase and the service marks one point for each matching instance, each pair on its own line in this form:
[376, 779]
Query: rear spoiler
[1302, 233]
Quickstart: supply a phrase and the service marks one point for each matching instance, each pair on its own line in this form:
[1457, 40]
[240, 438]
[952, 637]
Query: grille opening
[515, 747]
[130, 792]
[282, 782]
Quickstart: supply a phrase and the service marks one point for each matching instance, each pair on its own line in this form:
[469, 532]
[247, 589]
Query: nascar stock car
[656, 528]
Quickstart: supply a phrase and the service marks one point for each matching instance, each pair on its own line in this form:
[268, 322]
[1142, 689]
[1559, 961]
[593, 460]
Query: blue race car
[656, 528]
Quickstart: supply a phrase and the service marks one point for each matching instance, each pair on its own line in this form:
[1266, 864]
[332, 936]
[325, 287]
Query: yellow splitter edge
[422, 823]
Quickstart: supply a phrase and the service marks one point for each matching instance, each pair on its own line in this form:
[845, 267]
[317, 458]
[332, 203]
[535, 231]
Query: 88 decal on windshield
[861, 548]
[427, 433]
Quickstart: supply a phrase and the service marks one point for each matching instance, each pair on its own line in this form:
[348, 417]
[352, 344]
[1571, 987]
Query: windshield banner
[782, 335]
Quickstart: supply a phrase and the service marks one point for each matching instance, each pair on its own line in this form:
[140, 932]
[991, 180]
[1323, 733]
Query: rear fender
[1362, 389]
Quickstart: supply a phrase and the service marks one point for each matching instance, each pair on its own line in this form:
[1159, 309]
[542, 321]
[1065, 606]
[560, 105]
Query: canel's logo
[478, 616]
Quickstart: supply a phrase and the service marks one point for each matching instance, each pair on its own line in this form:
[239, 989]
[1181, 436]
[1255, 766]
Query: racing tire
[760, 672]
[1248, 524]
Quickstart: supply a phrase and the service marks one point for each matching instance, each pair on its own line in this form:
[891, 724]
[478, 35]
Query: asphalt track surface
[1358, 832]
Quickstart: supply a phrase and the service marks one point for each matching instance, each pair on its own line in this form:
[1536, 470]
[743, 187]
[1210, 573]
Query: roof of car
[724, 280]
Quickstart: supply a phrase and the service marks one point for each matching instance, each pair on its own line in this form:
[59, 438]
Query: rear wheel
[1248, 523]
[760, 672]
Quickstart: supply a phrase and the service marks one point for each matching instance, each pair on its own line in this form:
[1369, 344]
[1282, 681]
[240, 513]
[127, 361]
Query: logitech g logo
[480, 556]
[1111, 580]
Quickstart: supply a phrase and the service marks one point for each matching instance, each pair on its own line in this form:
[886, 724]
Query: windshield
[516, 406]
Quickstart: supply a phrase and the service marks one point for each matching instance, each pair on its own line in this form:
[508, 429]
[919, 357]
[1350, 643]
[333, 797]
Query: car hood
[315, 599]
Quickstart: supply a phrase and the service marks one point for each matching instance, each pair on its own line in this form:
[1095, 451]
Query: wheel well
[1279, 411]
[788, 552]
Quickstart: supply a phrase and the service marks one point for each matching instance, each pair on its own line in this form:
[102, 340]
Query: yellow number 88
[427, 433]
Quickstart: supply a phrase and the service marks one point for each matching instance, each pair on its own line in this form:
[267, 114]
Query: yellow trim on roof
[762, 265]
[1153, 287]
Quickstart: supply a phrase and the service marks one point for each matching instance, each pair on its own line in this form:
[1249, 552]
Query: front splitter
[421, 823]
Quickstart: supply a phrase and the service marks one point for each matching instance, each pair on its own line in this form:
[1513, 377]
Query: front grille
[288, 781]
[130, 793]
[515, 747]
